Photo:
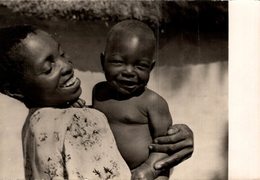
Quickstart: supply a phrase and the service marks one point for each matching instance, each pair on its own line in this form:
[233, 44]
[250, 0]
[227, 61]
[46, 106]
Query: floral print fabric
[73, 143]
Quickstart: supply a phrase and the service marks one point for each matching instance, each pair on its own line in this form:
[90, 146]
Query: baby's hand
[143, 172]
[79, 103]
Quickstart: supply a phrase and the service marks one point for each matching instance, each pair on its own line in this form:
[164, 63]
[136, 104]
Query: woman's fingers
[176, 133]
[173, 130]
[174, 159]
[178, 144]
[171, 148]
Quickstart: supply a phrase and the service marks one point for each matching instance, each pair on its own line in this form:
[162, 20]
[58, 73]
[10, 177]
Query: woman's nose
[66, 66]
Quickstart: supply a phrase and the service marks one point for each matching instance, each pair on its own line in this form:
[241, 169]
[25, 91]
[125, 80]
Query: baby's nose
[129, 71]
[129, 68]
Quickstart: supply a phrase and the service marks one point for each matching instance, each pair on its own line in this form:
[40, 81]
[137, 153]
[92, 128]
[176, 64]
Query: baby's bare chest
[127, 112]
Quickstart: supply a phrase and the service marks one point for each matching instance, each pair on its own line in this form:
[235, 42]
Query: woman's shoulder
[90, 111]
[56, 118]
[48, 120]
[47, 114]
[52, 110]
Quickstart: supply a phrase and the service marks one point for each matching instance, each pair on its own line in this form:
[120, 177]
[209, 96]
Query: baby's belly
[132, 141]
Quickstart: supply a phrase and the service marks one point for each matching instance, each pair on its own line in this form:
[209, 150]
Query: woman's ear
[16, 94]
[102, 59]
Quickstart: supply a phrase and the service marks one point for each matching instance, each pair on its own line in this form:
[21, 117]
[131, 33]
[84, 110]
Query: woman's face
[49, 77]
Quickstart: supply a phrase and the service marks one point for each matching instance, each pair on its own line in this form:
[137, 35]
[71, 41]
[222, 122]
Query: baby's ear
[102, 59]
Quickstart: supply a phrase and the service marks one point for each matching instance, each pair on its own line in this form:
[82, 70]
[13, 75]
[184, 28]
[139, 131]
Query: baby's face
[128, 62]
[49, 79]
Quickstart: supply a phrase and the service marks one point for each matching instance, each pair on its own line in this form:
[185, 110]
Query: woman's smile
[71, 82]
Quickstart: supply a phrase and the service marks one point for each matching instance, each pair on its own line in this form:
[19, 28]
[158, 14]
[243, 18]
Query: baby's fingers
[79, 103]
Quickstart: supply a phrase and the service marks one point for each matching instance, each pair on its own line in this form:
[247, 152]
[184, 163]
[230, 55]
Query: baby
[58, 142]
[136, 114]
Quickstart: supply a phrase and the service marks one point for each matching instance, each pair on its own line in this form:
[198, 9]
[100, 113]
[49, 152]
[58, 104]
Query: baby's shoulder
[151, 96]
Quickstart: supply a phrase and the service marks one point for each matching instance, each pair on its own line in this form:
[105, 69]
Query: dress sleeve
[44, 146]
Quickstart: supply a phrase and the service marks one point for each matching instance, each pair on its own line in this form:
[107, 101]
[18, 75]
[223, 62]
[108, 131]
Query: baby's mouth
[127, 84]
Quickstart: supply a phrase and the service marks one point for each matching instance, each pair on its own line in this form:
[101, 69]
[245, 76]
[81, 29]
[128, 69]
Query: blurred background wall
[191, 71]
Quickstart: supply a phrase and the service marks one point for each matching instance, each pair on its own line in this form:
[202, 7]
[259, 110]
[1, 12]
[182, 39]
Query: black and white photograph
[124, 90]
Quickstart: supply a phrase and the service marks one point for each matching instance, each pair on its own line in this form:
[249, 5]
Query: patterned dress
[73, 143]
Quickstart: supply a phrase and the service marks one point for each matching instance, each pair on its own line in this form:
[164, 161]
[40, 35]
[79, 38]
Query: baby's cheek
[144, 78]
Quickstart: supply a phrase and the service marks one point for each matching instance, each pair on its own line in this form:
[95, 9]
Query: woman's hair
[11, 63]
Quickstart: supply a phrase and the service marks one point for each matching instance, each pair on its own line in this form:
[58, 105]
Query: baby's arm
[160, 120]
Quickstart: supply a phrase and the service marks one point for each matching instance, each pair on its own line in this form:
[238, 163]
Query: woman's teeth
[70, 82]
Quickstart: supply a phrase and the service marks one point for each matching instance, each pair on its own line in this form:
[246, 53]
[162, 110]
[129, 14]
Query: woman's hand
[178, 143]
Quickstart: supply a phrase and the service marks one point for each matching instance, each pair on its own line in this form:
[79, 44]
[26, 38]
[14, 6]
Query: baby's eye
[143, 66]
[116, 62]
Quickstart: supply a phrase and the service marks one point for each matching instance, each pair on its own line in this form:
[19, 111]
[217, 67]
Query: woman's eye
[63, 54]
[48, 71]
[49, 68]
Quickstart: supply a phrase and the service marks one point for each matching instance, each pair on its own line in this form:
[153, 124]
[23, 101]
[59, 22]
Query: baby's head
[34, 69]
[129, 56]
